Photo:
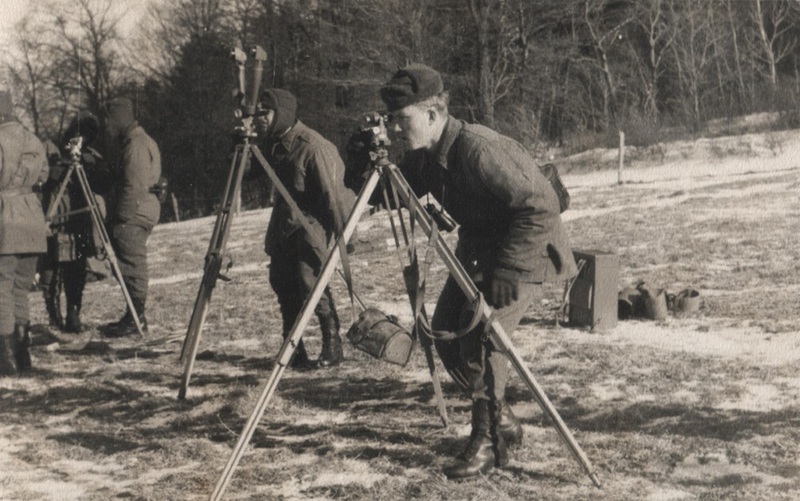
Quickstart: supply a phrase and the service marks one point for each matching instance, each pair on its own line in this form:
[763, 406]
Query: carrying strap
[561, 313]
[417, 280]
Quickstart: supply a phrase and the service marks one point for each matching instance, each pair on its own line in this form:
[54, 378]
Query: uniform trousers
[472, 360]
[294, 269]
[17, 272]
[130, 245]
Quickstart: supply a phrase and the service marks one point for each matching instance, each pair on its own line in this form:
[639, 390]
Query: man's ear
[432, 115]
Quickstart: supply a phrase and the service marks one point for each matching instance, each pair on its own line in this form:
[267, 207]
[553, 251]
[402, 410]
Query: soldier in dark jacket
[133, 207]
[310, 168]
[511, 240]
[72, 239]
[23, 234]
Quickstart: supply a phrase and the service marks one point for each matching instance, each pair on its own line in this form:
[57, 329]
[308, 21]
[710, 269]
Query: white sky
[12, 11]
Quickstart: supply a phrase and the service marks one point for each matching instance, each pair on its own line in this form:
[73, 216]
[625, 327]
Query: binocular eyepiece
[374, 124]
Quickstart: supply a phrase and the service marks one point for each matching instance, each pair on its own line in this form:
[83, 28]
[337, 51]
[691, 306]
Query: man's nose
[395, 127]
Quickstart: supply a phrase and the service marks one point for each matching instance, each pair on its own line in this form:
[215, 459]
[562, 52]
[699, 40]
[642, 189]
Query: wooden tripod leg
[100, 228]
[427, 348]
[411, 283]
[51, 209]
[496, 331]
[293, 339]
[213, 263]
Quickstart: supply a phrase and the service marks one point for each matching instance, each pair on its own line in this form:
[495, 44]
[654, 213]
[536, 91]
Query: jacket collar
[288, 137]
[449, 134]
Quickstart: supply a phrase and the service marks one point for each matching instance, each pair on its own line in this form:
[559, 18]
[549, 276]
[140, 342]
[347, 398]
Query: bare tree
[32, 70]
[656, 34]
[694, 53]
[775, 21]
[87, 43]
[602, 23]
[500, 47]
[167, 27]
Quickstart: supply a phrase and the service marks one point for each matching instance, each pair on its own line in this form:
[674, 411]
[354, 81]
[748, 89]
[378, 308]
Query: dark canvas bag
[381, 336]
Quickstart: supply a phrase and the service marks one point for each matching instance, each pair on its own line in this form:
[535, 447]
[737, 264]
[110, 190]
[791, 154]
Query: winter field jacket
[139, 169]
[509, 214]
[23, 164]
[310, 168]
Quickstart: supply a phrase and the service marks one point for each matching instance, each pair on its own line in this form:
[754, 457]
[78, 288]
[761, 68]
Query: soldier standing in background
[23, 234]
[310, 168]
[133, 207]
[72, 240]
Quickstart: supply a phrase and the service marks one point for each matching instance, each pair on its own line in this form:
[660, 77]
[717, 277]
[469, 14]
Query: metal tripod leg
[496, 332]
[213, 263]
[425, 342]
[99, 227]
[294, 337]
[51, 210]
[244, 153]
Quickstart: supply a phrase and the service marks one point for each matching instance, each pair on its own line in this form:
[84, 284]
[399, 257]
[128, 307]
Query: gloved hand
[504, 287]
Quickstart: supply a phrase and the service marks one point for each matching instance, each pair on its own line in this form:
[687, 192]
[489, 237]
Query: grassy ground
[701, 407]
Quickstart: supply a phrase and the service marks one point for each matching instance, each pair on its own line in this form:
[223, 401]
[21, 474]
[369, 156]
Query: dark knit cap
[119, 112]
[6, 105]
[86, 125]
[284, 104]
[410, 85]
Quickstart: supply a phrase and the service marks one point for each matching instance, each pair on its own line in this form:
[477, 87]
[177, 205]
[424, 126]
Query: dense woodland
[563, 73]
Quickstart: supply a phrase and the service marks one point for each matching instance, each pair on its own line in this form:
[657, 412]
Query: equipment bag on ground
[381, 336]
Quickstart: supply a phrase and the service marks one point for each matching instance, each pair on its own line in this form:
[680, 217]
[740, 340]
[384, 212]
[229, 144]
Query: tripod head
[75, 145]
[248, 91]
[375, 137]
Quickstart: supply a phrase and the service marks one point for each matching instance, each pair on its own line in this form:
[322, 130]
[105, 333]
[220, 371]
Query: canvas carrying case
[381, 336]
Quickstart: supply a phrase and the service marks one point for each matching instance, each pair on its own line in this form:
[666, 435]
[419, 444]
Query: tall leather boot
[74, 283]
[52, 303]
[22, 341]
[8, 359]
[73, 323]
[486, 448]
[332, 353]
[509, 426]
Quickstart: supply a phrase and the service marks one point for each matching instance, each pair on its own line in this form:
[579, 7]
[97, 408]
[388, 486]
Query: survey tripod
[76, 169]
[244, 153]
[382, 168]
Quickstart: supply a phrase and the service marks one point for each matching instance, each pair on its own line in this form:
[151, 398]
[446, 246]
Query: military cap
[284, 104]
[119, 111]
[410, 85]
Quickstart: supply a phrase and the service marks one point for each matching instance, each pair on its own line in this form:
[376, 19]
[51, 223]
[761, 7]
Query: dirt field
[704, 406]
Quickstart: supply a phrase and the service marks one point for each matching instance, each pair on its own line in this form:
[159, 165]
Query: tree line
[569, 73]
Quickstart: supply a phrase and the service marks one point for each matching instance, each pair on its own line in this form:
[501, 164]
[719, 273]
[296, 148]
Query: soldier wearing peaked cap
[510, 241]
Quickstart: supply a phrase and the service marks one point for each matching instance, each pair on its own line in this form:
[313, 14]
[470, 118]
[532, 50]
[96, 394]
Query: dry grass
[702, 407]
